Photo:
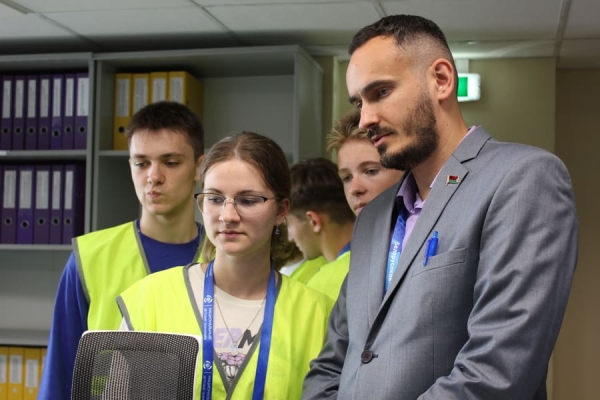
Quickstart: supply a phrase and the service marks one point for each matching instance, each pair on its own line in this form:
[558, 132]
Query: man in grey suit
[459, 274]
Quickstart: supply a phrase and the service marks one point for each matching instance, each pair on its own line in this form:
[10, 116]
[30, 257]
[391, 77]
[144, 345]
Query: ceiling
[566, 29]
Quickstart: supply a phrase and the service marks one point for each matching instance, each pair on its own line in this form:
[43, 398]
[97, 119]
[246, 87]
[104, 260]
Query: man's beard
[421, 124]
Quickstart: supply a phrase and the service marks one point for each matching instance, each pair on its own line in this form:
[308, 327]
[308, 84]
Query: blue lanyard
[207, 336]
[344, 249]
[395, 249]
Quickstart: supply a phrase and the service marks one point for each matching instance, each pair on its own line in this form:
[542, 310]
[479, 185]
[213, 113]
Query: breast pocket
[450, 258]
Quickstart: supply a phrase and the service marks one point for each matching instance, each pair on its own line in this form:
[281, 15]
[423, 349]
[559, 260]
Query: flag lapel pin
[452, 180]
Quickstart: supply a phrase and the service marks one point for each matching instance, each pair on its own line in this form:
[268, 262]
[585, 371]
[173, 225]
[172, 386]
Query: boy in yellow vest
[166, 143]
[320, 221]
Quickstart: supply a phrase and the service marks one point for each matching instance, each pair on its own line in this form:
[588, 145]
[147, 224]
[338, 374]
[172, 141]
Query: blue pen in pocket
[431, 247]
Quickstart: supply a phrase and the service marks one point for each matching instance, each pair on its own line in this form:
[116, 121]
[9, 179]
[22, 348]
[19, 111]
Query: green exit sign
[468, 87]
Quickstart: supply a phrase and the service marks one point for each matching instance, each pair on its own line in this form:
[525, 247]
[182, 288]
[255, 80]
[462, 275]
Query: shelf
[38, 155]
[14, 337]
[36, 247]
[26, 63]
[210, 63]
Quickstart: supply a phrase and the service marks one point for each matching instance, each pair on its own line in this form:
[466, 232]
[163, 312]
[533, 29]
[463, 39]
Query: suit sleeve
[323, 378]
[528, 252]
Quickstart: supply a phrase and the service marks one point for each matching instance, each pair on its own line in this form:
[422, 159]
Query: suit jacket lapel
[438, 198]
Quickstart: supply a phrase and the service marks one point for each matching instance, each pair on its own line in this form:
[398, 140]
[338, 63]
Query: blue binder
[58, 105]
[31, 113]
[19, 110]
[9, 204]
[41, 212]
[56, 203]
[73, 202]
[45, 112]
[7, 113]
[25, 204]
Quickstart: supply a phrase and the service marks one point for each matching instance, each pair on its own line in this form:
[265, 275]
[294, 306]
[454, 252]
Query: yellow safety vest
[163, 302]
[308, 269]
[108, 262]
[329, 278]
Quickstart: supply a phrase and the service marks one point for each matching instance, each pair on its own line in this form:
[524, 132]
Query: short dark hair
[169, 115]
[269, 159]
[404, 28]
[316, 186]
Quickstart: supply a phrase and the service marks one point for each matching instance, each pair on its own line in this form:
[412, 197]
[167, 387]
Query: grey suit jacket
[480, 320]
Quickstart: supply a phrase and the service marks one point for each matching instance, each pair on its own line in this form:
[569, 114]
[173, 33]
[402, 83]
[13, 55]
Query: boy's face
[360, 169]
[164, 171]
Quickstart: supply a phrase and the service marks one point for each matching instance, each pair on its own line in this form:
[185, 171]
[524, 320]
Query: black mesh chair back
[122, 365]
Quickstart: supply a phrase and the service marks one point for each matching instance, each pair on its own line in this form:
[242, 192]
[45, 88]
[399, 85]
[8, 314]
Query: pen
[431, 247]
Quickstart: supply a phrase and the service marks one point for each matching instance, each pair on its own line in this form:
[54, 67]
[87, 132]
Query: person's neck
[336, 237]
[244, 277]
[180, 229]
[451, 135]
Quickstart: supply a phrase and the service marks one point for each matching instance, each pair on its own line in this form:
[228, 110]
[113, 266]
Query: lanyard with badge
[395, 248]
[207, 336]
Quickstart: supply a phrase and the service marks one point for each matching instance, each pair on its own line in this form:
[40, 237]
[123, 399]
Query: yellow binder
[123, 106]
[159, 86]
[3, 372]
[15, 373]
[31, 380]
[186, 89]
[43, 351]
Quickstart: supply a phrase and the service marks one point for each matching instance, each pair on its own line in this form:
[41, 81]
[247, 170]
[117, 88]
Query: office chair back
[122, 365]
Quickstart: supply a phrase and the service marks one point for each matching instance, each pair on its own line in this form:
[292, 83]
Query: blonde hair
[345, 128]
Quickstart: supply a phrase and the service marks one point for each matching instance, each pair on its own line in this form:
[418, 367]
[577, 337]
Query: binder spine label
[19, 98]
[16, 369]
[31, 98]
[140, 97]
[69, 96]
[41, 192]
[44, 98]
[176, 88]
[25, 192]
[6, 96]
[159, 89]
[68, 190]
[56, 180]
[56, 98]
[83, 87]
[122, 97]
[10, 189]
[32, 373]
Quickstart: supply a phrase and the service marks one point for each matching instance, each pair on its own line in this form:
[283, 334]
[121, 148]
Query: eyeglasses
[245, 204]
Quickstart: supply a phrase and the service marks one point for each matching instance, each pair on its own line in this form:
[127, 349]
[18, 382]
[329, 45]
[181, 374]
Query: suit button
[366, 356]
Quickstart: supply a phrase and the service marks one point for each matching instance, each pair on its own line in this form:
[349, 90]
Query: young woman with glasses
[262, 328]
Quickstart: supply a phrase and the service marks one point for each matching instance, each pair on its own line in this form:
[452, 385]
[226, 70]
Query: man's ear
[316, 220]
[444, 76]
